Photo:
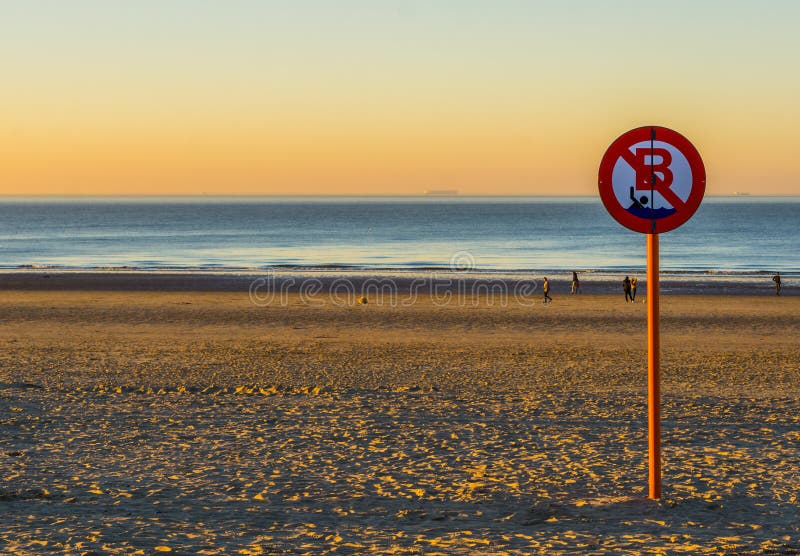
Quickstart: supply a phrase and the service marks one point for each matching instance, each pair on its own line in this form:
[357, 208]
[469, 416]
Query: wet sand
[200, 422]
[433, 283]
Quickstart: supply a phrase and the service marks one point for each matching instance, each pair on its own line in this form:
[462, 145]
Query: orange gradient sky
[392, 97]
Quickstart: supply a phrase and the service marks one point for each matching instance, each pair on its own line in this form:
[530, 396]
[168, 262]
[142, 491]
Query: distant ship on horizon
[441, 192]
[741, 193]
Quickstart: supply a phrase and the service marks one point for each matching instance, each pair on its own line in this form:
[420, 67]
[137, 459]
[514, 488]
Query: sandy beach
[199, 422]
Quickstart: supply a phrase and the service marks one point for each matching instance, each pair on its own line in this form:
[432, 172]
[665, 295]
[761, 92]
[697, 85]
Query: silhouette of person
[634, 283]
[637, 203]
[546, 290]
[777, 280]
[626, 285]
[576, 284]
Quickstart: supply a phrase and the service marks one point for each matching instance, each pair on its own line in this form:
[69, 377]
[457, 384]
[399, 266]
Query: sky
[355, 97]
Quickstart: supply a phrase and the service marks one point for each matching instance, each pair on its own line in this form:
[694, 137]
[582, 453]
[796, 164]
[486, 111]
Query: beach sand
[202, 423]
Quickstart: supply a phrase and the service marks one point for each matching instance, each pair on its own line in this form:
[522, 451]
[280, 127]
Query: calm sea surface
[746, 235]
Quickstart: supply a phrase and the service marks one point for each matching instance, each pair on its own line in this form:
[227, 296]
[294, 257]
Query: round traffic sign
[651, 179]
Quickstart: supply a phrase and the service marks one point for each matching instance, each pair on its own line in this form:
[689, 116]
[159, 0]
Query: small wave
[402, 270]
[37, 266]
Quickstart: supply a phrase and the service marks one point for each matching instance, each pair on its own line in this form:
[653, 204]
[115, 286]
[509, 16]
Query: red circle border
[606, 186]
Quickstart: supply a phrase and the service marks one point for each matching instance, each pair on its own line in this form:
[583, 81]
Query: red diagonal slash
[669, 195]
[643, 174]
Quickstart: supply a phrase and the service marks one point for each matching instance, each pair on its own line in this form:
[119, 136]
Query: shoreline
[383, 283]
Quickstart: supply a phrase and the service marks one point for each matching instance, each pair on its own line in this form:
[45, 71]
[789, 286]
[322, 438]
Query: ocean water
[728, 235]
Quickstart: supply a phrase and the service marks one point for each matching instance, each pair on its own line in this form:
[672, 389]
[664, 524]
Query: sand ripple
[392, 472]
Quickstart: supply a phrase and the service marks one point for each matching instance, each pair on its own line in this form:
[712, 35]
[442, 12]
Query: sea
[737, 235]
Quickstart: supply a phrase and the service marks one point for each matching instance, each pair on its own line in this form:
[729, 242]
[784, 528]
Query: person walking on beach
[777, 280]
[546, 290]
[634, 283]
[576, 284]
[626, 285]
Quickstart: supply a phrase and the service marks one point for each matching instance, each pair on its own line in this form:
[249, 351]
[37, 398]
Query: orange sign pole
[629, 152]
[653, 368]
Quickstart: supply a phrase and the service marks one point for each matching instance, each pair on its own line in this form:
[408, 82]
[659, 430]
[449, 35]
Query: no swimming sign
[651, 179]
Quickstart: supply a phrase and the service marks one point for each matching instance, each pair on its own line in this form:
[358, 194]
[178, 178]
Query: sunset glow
[361, 97]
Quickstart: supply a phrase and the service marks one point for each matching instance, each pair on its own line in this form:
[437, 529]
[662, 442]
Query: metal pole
[653, 368]
[652, 180]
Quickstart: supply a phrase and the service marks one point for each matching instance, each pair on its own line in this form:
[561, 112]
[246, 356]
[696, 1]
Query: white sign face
[673, 176]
